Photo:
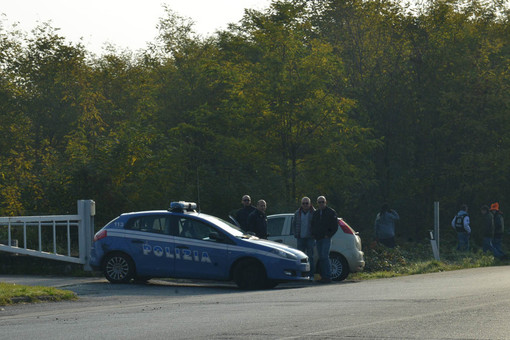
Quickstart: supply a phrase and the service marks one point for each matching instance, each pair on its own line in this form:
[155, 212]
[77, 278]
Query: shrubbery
[410, 258]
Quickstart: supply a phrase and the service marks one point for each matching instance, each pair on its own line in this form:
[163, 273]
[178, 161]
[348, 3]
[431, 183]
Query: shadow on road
[159, 287]
[100, 287]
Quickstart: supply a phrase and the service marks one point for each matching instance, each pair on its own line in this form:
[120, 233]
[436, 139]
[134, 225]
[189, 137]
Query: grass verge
[415, 258]
[11, 293]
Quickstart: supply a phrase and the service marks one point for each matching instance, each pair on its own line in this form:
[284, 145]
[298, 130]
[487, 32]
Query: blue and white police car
[181, 243]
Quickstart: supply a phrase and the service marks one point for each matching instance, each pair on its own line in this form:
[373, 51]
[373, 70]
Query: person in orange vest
[499, 229]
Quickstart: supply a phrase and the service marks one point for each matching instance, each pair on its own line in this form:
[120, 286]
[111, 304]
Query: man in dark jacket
[257, 220]
[499, 229]
[487, 229]
[324, 226]
[242, 214]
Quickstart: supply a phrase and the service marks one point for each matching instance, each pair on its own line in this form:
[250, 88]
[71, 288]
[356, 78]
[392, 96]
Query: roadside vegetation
[11, 293]
[410, 258]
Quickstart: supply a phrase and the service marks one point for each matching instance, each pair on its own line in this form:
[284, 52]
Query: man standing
[324, 226]
[499, 229]
[385, 226]
[461, 224]
[243, 213]
[302, 228]
[257, 220]
[487, 229]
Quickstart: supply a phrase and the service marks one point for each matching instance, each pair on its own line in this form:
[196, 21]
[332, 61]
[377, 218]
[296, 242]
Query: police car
[182, 243]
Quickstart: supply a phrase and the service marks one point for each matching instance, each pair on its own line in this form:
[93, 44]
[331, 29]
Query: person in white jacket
[461, 225]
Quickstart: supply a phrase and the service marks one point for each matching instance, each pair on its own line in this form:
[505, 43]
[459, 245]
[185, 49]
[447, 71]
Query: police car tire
[249, 274]
[118, 268]
[339, 267]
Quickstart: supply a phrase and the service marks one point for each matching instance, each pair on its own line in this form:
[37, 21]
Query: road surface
[464, 304]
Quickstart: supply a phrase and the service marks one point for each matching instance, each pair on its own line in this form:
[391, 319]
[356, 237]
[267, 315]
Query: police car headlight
[284, 254]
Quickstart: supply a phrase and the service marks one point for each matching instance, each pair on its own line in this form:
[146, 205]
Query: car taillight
[99, 235]
[345, 227]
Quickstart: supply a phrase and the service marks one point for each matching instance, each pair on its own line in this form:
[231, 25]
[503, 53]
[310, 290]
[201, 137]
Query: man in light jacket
[385, 226]
[302, 229]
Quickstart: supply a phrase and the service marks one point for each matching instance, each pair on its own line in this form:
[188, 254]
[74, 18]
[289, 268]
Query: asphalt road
[465, 304]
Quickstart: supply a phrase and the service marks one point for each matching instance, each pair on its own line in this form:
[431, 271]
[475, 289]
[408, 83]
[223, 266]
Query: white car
[345, 254]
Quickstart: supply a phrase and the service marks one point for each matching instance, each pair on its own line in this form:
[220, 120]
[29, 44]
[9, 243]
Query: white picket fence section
[83, 222]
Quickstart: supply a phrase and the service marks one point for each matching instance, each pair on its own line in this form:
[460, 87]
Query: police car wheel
[250, 275]
[339, 267]
[118, 268]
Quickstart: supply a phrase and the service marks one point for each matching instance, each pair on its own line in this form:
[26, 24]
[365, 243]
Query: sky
[123, 23]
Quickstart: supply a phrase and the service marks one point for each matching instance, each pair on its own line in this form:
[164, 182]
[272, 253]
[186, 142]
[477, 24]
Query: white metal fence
[58, 237]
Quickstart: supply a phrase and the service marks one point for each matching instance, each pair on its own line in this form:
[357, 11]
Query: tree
[15, 138]
[291, 93]
[464, 78]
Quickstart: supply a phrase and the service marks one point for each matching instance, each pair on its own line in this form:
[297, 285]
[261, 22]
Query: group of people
[492, 225]
[492, 228]
[253, 219]
[311, 227]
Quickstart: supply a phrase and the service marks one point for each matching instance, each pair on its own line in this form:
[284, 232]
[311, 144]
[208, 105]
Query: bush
[417, 258]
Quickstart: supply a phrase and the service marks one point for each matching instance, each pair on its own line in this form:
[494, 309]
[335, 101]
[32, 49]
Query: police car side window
[190, 228]
[151, 224]
[158, 225]
[133, 224]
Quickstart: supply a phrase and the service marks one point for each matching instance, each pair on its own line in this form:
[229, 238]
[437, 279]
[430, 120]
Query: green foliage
[381, 258]
[362, 101]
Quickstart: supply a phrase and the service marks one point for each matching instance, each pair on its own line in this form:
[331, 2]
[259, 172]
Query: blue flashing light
[183, 206]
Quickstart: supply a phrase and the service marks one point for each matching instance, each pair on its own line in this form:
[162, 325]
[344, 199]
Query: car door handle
[182, 247]
[136, 241]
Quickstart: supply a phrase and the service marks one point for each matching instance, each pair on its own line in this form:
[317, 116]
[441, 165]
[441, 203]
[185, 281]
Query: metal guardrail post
[436, 225]
[434, 236]
[86, 211]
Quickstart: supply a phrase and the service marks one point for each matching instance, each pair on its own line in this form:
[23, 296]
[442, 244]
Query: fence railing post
[434, 236]
[86, 211]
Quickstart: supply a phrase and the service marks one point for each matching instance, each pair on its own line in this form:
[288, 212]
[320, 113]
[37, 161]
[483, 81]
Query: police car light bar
[182, 206]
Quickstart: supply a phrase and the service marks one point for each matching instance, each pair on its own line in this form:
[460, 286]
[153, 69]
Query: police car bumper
[295, 272]
[94, 260]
